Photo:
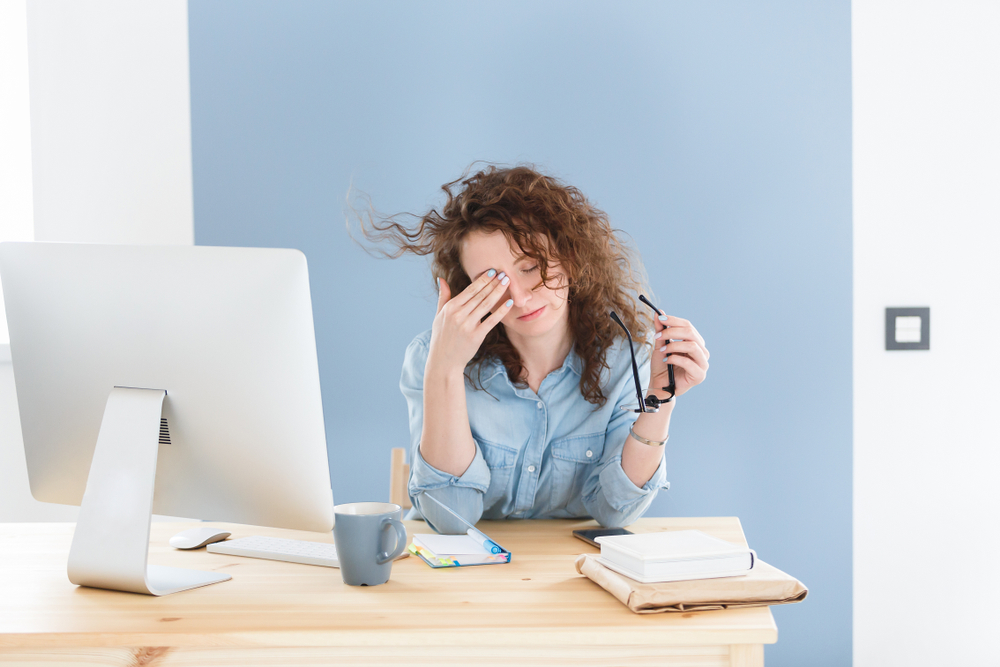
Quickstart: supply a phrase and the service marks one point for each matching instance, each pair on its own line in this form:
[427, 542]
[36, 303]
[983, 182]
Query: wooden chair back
[399, 477]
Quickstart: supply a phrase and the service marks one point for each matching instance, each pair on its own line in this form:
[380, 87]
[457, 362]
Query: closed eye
[534, 268]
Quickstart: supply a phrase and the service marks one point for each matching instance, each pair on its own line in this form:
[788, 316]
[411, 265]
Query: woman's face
[537, 309]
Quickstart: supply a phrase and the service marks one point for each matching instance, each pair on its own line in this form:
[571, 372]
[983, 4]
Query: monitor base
[111, 542]
[162, 580]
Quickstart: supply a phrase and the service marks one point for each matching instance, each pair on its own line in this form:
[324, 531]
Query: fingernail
[501, 276]
[665, 359]
[505, 280]
[662, 318]
[658, 336]
[663, 349]
[510, 302]
[491, 273]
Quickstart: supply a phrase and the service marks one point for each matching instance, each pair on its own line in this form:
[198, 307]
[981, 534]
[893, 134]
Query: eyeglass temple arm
[635, 368]
[670, 367]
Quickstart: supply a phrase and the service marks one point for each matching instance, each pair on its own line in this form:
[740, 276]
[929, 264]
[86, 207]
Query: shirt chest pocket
[501, 461]
[574, 459]
[579, 448]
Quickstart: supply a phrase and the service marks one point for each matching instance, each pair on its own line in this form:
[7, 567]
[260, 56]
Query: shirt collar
[494, 367]
[574, 362]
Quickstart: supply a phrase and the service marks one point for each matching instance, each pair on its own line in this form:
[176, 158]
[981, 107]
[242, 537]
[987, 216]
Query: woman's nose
[519, 291]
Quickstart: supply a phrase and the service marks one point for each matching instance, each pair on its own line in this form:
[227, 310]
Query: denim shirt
[550, 455]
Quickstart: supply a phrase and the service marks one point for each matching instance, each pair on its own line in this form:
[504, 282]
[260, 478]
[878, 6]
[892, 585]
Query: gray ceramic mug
[362, 532]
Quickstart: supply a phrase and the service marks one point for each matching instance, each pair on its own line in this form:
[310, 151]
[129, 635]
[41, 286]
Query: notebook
[457, 550]
[674, 556]
[473, 548]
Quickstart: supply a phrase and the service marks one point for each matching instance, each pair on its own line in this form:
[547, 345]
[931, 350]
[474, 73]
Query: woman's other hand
[459, 328]
[677, 342]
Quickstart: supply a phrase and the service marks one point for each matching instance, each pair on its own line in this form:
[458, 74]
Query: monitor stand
[111, 542]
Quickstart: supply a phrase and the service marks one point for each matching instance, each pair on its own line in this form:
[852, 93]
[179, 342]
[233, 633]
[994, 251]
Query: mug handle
[384, 556]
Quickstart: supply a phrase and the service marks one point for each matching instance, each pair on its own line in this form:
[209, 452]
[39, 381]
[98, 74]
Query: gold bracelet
[651, 443]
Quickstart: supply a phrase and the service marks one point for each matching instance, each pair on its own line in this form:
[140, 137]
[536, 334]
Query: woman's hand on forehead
[462, 322]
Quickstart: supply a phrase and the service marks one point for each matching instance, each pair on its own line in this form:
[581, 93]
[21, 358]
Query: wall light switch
[907, 328]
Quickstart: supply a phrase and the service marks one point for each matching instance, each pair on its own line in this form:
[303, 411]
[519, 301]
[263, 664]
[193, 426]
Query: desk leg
[746, 655]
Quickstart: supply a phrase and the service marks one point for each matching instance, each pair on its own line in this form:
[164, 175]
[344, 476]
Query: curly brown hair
[552, 223]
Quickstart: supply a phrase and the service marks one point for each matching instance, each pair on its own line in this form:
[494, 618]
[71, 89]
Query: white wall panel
[111, 121]
[926, 211]
[15, 134]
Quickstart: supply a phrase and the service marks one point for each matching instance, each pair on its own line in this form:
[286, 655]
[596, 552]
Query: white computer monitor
[194, 367]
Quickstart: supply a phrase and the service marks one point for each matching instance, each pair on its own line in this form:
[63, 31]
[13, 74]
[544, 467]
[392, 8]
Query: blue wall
[717, 134]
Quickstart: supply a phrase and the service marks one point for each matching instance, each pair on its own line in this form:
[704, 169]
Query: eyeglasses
[650, 403]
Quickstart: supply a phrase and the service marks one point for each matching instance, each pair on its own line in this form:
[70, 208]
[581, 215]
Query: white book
[674, 556]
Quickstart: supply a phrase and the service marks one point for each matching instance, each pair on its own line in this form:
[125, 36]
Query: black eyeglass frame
[652, 402]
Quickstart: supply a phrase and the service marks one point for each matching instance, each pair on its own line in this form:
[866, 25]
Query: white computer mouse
[195, 538]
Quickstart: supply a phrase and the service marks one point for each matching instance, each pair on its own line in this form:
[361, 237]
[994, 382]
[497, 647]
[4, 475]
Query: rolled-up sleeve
[462, 493]
[609, 495]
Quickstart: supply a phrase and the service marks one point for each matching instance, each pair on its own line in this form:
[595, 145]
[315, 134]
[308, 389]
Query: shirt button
[540, 405]
[531, 468]
[589, 453]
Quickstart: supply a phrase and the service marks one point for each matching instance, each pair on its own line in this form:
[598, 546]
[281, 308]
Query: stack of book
[674, 556]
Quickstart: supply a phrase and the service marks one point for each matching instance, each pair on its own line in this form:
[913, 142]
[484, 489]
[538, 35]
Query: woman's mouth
[533, 315]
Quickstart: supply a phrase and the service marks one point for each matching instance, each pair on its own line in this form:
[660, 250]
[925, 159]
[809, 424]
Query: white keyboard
[276, 548]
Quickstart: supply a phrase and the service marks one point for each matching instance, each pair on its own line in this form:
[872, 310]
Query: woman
[515, 393]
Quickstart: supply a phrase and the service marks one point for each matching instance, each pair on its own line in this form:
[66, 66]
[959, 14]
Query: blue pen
[472, 532]
[488, 544]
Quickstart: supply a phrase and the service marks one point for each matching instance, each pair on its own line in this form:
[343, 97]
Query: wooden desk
[534, 611]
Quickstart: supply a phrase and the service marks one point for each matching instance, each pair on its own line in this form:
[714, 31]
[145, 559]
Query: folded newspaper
[762, 586]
